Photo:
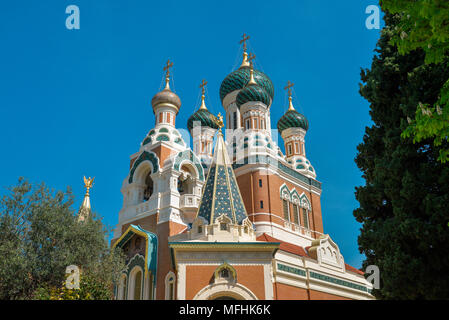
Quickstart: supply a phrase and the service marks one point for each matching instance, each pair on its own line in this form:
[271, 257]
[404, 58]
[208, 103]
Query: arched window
[135, 284]
[305, 217]
[170, 286]
[138, 285]
[295, 213]
[286, 208]
[148, 187]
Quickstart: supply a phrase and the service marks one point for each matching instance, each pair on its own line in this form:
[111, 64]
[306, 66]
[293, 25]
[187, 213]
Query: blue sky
[77, 102]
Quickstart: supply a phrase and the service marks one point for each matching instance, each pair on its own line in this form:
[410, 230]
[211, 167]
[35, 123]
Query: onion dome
[240, 77]
[292, 119]
[252, 92]
[166, 96]
[202, 115]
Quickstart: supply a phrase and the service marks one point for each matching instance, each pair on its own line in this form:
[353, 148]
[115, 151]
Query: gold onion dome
[166, 96]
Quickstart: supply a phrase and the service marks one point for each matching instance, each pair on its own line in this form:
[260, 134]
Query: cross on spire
[289, 87]
[244, 39]
[202, 85]
[167, 73]
[251, 58]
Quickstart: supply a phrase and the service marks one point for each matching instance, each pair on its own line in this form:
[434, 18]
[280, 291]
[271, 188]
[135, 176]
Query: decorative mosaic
[292, 270]
[340, 282]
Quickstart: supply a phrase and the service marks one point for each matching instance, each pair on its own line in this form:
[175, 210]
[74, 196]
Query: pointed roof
[221, 193]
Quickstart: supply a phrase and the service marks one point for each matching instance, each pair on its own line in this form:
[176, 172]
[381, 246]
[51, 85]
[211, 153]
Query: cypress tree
[404, 204]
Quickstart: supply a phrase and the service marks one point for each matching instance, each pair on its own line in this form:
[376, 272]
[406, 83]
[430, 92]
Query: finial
[202, 86]
[245, 62]
[167, 74]
[289, 88]
[251, 70]
[219, 121]
[88, 183]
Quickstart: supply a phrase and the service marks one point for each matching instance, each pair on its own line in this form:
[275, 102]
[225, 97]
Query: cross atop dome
[245, 62]
[167, 73]
[289, 87]
[203, 91]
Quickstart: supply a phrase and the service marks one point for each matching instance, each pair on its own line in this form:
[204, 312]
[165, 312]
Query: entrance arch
[225, 291]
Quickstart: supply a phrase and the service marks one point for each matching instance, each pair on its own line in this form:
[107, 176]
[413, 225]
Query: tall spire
[289, 88]
[221, 195]
[85, 210]
[245, 62]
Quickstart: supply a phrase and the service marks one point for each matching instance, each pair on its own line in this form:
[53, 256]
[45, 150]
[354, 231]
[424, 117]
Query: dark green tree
[40, 236]
[404, 204]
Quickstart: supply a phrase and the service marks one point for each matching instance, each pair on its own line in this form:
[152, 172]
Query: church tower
[202, 126]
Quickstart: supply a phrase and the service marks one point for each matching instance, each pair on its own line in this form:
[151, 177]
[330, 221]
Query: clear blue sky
[77, 102]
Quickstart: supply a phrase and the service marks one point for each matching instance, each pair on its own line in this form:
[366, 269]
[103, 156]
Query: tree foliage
[40, 236]
[403, 205]
[424, 25]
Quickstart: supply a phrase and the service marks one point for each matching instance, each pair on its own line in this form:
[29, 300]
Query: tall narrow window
[137, 285]
[260, 183]
[234, 122]
[261, 204]
[170, 286]
[305, 218]
[295, 214]
[247, 124]
[289, 149]
[286, 210]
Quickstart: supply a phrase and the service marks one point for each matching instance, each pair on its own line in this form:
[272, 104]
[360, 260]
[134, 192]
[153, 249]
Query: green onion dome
[292, 119]
[253, 92]
[238, 79]
[206, 119]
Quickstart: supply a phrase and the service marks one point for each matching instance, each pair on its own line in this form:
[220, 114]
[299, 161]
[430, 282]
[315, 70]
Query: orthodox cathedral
[233, 217]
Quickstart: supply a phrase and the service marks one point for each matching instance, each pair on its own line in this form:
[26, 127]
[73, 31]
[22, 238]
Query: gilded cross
[202, 85]
[244, 39]
[251, 58]
[289, 86]
[168, 66]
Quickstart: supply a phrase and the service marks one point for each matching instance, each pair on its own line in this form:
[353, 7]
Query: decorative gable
[327, 253]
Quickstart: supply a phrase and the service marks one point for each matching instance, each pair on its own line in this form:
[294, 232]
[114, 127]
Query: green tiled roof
[239, 78]
[252, 93]
[292, 119]
[206, 118]
[221, 193]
